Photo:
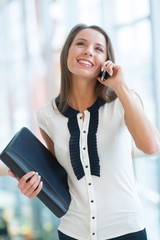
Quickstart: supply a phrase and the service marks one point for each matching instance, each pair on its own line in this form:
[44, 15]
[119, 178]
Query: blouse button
[86, 166]
[84, 148]
[89, 184]
[84, 131]
[92, 201]
[93, 233]
[93, 217]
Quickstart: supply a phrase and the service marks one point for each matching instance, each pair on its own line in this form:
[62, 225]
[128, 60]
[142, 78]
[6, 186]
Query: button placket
[92, 203]
[84, 125]
[83, 143]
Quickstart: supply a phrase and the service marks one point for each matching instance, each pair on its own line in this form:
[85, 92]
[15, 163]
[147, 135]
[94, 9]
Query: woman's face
[87, 53]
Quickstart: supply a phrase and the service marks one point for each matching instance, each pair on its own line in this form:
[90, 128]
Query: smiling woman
[107, 53]
[90, 127]
[87, 52]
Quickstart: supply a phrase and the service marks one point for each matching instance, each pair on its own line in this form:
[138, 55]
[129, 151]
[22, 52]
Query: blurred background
[32, 33]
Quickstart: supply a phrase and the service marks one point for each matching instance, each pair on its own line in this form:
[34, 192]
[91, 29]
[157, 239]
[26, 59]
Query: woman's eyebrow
[83, 39]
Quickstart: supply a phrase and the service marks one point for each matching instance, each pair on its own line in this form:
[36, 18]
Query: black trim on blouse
[74, 148]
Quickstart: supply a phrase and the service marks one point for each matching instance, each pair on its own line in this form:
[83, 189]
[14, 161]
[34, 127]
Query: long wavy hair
[102, 91]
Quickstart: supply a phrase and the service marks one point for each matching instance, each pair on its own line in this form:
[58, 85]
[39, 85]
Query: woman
[90, 128]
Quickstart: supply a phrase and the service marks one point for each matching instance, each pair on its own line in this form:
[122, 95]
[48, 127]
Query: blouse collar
[71, 112]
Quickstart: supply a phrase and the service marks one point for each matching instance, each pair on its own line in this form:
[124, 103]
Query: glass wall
[32, 34]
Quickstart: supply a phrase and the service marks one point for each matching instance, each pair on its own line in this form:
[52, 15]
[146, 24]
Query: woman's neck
[82, 96]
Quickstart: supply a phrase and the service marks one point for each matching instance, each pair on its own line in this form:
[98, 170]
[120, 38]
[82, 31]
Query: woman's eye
[80, 43]
[99, 49]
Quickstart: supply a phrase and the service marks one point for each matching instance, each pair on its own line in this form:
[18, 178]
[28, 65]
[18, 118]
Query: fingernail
[111, 73]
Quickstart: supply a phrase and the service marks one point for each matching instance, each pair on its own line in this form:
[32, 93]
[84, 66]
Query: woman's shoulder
[48, 109]
[115, 106]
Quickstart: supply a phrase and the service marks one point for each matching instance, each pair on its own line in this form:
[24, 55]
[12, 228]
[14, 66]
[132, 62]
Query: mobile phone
[104, 75]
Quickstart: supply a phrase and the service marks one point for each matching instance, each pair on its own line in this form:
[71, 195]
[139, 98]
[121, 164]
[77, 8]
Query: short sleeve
[120, 108]
[43, 119]
[137, 98]
[135, 151]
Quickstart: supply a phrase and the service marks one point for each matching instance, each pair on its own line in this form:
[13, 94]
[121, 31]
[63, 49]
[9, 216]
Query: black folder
[26, 153]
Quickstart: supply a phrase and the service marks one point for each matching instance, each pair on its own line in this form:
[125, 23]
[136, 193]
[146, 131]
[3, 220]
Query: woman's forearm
[144, 133]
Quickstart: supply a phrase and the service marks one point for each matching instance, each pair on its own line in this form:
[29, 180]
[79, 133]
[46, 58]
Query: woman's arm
[144, 133]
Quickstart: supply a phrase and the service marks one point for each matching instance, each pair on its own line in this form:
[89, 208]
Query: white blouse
[96, 153]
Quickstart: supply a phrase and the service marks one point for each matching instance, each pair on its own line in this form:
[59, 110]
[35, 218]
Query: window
[134, 45]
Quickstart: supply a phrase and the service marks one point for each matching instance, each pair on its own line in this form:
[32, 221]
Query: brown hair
[101, 91]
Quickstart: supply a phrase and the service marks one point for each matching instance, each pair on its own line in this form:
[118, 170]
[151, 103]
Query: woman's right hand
[30, 184]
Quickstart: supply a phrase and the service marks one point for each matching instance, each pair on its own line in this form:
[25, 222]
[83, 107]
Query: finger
[36, 191]
[23, 183]
[33, 185]
[23, 179]
[27, 181]
[109, 67]
[104, 65]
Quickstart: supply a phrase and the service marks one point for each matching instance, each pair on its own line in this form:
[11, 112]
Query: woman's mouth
[85, 62]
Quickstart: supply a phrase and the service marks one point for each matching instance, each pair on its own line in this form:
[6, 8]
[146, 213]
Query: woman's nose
[88, 52]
